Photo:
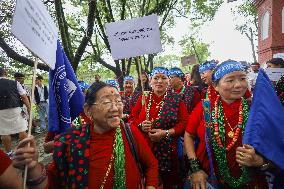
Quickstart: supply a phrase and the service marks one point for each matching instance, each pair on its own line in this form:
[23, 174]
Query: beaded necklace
[208, 93]
[218, 142]
[119, 162]
[150, 103]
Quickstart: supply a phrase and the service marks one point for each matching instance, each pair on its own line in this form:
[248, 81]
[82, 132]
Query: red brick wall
[275, 41]
[277, 35]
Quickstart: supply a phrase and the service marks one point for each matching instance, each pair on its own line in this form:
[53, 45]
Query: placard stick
[30, 117]
[142, 84]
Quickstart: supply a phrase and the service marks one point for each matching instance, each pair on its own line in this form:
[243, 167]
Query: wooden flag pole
[30, 117]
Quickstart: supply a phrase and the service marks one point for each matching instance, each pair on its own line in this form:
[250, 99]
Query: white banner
[34, 27]
[274, 74]
[135, 37]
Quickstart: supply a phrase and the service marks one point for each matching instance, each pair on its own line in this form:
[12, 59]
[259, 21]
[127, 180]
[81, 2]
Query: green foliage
[201, 50]
[246, 17]
[203, 11]
[88, 69]
[76, 12]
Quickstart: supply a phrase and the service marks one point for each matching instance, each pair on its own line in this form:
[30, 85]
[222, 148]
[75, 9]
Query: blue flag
[265, 125]
[66, 99]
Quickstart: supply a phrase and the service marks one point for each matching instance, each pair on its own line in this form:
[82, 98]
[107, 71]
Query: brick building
[271, 29]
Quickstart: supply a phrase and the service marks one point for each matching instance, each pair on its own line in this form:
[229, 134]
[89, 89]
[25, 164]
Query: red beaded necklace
[216, 125]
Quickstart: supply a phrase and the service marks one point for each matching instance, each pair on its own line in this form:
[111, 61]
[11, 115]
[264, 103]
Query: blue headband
[83, 85]
[208, 65]
[112, 83]
[129, 78]
[225, 68]
[159, 70]
[176, 71]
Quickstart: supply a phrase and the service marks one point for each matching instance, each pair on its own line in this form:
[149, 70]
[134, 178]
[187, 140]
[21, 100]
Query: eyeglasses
[108, 104]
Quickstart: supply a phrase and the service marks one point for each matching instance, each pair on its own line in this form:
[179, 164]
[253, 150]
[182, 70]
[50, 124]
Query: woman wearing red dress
[129, 96]
[162, 119]
[221, 133]
[206, 69]
[96, 155]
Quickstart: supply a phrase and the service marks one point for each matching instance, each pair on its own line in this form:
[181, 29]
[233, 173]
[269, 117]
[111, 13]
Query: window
[265, 25]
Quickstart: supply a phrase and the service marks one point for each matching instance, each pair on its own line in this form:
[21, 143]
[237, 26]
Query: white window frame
[264, 27]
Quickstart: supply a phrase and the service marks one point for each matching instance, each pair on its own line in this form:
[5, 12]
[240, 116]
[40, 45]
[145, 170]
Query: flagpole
[30, 116]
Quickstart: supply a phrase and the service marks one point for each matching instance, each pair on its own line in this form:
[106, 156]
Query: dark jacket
[37, 98]
[9, 95]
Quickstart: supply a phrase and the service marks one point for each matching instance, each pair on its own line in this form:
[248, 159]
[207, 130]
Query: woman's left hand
[247, 156]
[157, 134]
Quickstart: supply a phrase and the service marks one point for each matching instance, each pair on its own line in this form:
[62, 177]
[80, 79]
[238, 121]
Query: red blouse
[138, 113]
[196, 127]
[100, 153]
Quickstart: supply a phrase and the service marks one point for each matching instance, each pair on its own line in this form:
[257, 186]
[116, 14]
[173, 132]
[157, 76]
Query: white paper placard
[34, 27]
[135, 37]
[274, 74]
[279, 55]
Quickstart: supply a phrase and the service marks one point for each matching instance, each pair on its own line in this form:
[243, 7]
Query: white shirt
[40, 92]
[252, 76]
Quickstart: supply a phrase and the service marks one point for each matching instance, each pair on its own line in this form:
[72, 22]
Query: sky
[225, 42]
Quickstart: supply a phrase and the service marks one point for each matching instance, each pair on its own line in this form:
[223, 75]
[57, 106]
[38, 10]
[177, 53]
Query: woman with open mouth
[104, 153]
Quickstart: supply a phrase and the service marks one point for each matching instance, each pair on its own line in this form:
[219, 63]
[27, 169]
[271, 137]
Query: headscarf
[83, 85]
[225, 68]
[159, 70]
[129, 78]
[176, 71]
[113, 83]
[208, 65]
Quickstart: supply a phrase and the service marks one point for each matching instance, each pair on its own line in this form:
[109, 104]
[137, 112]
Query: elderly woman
[162, 119]
[219, 125]
[96, 155]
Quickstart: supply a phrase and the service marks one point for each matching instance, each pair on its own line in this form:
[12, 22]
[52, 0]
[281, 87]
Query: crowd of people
[173, 130]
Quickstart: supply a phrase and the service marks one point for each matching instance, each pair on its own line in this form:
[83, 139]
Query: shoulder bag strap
[207, 119]
[132, 145]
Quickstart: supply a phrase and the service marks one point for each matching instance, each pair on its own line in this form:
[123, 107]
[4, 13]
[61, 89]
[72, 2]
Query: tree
[246, 16]
[83, 34]
[192, 46]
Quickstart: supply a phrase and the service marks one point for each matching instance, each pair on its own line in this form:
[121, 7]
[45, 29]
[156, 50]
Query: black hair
[146, 84]
[276, 61]
[255, 63]
[92, 91]
[18, 74]
[195, 75]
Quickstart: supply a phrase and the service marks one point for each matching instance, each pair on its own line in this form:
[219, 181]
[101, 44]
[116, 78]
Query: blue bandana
[129, 78]
[208, 65]
[225, 68]
[160, 70]
[83, 85]
[112, 83]
[176, 71]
